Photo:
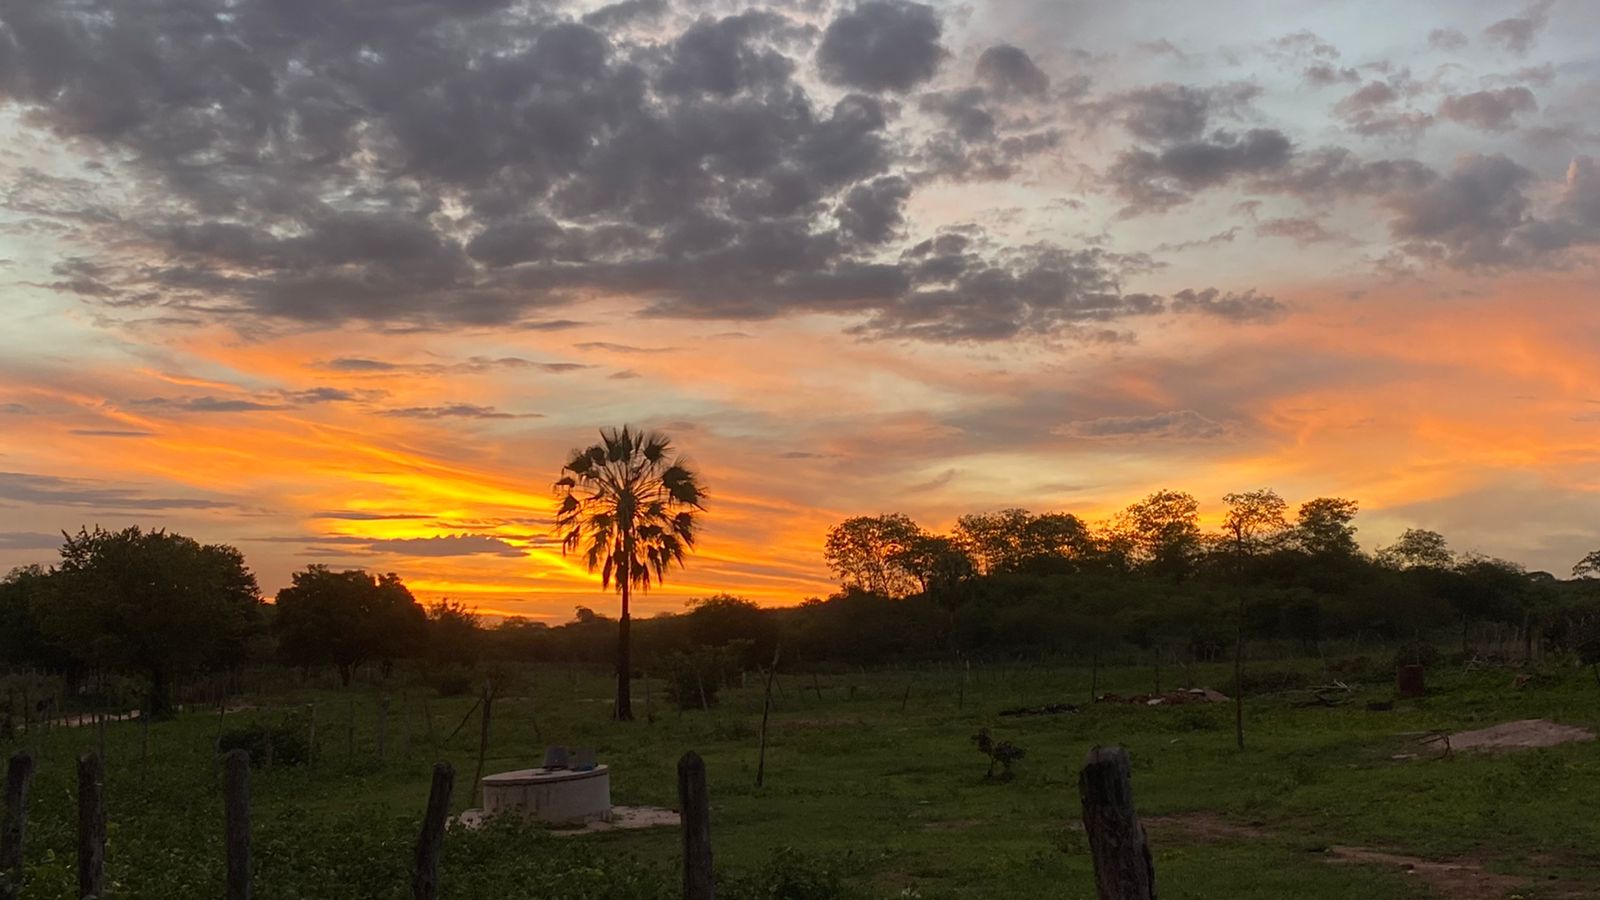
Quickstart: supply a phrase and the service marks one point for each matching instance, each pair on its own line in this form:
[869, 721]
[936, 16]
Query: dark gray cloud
[882, 45]
[614, 347]
[359, 516]
[1375, 109]
[1166, 113]
[1467, 218]
[48, 490]
[29, 540]
[1517, 34]
[1490, 110]
[446, 545]
[1151, 181]
[485, 163]
[1177, 425]
[1247, 306]
[1008, 70]
[980, 139]
[1302, 230]
[111, 433]
[15, 409]
[471, 365]
[456, 411]
[207, 404]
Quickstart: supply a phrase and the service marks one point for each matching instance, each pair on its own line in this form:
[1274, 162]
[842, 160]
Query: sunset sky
[342, 282]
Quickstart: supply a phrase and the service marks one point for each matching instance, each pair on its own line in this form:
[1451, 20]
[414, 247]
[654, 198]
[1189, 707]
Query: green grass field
[889, 800]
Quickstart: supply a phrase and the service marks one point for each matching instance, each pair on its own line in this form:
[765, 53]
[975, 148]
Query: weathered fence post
[430, 843]
[1122, 867]
[695, 810]
[91, 826]
[236, 812]
[766, 707]
[483, 734]
[383, 725]
[14, 827]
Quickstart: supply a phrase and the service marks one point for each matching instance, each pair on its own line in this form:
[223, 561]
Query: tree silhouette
[628, 505]
[869, 553]
[345, 619]
[1254, 520]
[154, 602]
[1418, 548]
[1323, 527]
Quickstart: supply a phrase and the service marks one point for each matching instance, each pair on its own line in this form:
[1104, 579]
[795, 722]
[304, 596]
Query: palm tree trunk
[624, 708]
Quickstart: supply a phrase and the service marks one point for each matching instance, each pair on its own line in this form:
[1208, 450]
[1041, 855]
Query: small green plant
[1000, 753]
[289, 746]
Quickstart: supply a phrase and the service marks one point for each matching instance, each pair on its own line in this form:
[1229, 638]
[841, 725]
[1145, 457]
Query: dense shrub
[289, 745]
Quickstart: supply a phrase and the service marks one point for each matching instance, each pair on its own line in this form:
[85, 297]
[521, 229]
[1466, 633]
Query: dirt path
[1458, 879]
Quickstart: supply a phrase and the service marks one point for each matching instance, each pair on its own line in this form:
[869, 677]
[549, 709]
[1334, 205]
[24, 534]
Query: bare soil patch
[1523, 734]
[1459, 879]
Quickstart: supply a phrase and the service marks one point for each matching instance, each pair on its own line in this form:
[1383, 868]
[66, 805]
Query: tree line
[158, 605]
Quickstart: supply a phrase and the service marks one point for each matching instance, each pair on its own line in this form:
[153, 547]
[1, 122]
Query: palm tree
[628, 505]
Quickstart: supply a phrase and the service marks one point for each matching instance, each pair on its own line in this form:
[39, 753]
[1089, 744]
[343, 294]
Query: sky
[342, 283]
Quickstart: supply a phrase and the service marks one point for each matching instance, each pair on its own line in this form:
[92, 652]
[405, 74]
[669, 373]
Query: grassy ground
[878, 785]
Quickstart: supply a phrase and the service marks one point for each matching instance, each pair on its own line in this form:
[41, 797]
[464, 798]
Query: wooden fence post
[1122, 867]
[14, 827]
[91, 826]
[695, 811]
[383, 725]
[483, 734]
[236, 812]
[430, 843]
[766, 707]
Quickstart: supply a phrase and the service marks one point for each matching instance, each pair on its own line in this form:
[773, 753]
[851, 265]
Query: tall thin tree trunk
[624, 708]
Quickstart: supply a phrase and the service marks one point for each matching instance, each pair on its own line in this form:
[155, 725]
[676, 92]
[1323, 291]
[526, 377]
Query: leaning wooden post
[1122, 868]
[695, 810]
[766, 707]
[383, 725]
[483, 735]
[14, 827]
[91, 826]
[236, 811]
[430, 843]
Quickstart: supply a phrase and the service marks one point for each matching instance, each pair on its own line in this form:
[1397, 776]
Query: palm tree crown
[627, 504]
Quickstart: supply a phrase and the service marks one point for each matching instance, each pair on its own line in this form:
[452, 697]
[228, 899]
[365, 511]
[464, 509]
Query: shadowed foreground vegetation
[873, 790]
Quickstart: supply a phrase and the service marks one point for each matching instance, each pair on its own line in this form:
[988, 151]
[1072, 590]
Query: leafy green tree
[628, 504]
[1322, 526]
[154, 602]
[1418, 548]
[870, 553]
[345, 619]
[24, 594]
[1588, 567]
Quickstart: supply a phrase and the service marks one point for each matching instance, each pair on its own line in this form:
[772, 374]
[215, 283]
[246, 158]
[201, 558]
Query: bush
[787, 875]
[289, 745]
[1001, 753]
[1271, 681]
[454, 682]
[694, 678]
[1416, 653]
